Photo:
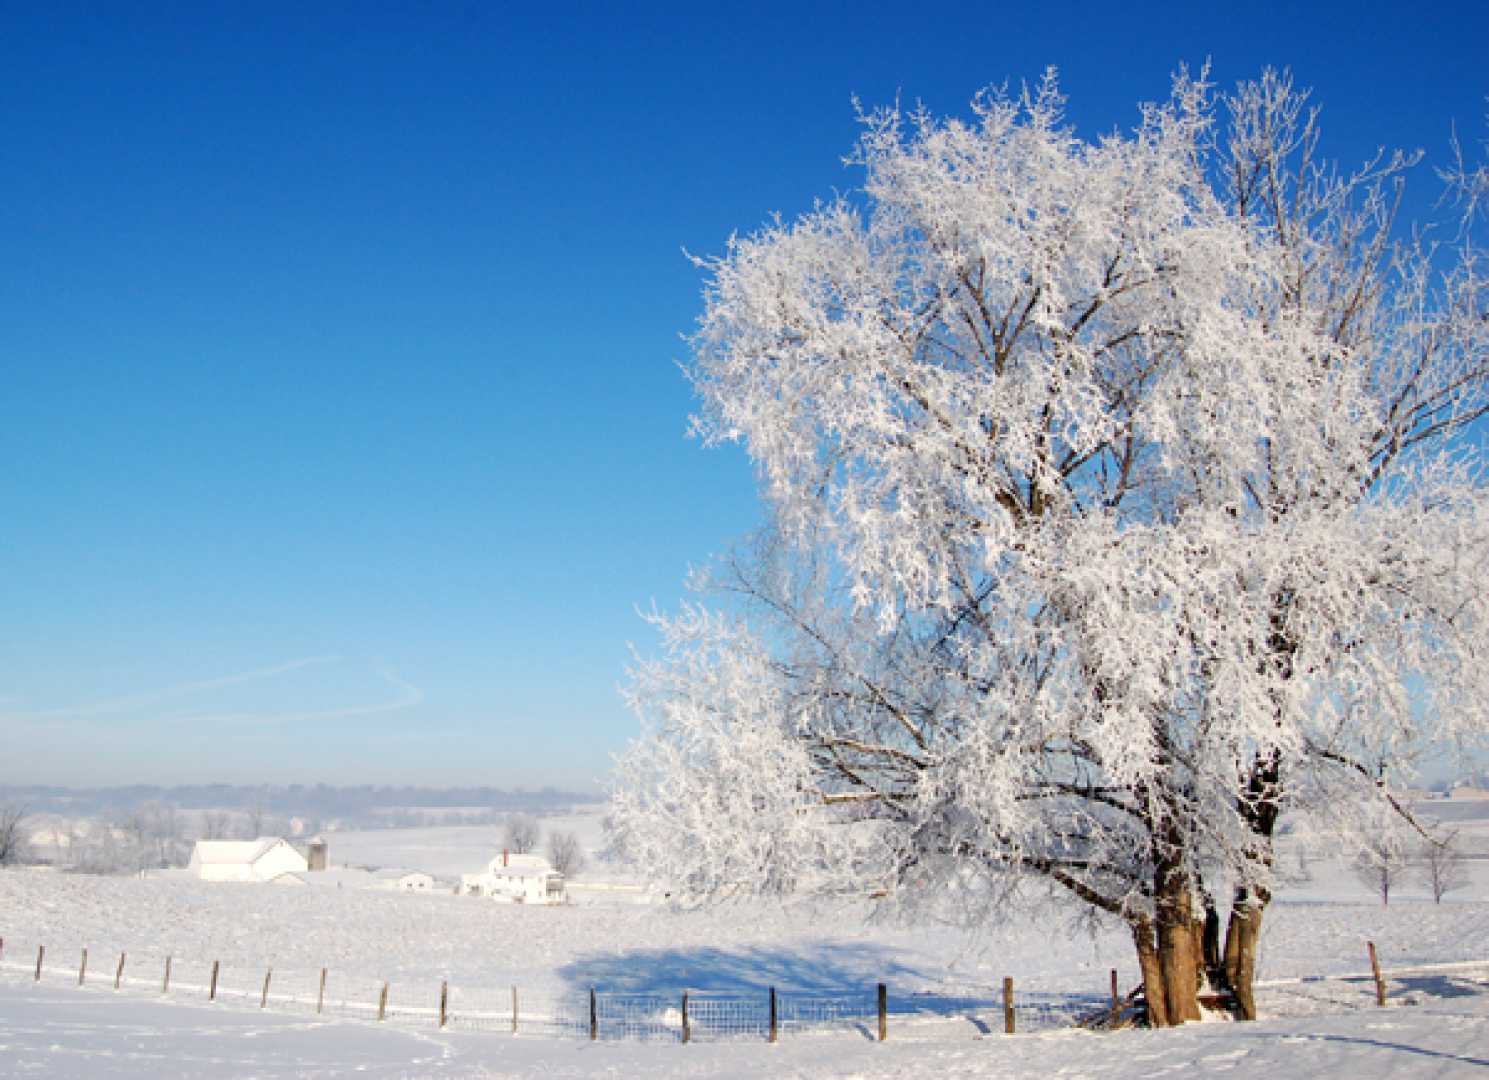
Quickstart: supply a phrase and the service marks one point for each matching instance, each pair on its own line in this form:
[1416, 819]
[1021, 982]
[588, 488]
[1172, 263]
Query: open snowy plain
[945, 988]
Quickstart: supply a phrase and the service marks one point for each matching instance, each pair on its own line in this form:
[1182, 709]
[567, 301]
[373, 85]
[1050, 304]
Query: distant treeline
[321, 801]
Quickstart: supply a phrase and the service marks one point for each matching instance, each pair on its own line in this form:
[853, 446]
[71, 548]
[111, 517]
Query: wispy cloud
[406, 696]
[131, 702]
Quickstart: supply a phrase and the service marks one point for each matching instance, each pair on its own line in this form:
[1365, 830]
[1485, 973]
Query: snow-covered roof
[520, 865]
[234, 852]
[396, 874]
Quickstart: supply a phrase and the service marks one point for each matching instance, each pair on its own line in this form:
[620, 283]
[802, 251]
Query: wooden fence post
[320, 997]
[382, 1004]
[774, 1015]
[264, 997]
[83, 968]
[1116, 996]
[212, 993]
[119, 972]
[514, 1008]
[1380, 983]
[444, 1000]
[165, 985]
[883, 1012]
[687, 1030]
[41, 951]
[1008, 1006]
[594, 1016]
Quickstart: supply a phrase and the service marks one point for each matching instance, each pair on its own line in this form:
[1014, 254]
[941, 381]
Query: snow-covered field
[944, 987]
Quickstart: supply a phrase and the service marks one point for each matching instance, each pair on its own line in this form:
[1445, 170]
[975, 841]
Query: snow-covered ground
[944, 987]
[64, 1034]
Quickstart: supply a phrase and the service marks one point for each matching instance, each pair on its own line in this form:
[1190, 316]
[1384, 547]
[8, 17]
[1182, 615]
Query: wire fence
[683, 1016]
[1361, 990]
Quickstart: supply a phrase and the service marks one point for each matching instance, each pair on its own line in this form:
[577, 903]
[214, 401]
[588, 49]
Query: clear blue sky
[342, 429]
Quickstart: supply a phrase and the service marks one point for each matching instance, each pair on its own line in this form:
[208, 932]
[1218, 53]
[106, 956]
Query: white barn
[516, 879]
[264, 859]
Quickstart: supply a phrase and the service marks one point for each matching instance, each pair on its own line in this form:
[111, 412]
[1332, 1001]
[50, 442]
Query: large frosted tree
[1123, 497]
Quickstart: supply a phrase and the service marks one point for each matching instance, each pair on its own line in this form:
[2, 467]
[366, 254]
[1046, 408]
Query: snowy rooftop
[235, 852]
[520, 865]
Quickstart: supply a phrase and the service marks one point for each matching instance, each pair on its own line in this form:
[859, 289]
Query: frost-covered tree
[1119, 504]
[1441, 868]
[521, 834]
[215, 824]
[1380, 865]
[565, 853]
[14, 844]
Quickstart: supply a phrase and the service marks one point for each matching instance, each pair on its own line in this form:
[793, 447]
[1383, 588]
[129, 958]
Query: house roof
[234, 852]
[521, 866]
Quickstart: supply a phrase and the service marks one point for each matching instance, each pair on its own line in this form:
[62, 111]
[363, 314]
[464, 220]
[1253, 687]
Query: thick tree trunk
[1170, 950]
[1178, 943]
[1241, 938]
[1178, 956]
[1153, 981]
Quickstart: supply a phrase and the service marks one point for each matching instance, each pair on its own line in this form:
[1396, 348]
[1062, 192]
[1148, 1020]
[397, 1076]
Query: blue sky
[342, 425]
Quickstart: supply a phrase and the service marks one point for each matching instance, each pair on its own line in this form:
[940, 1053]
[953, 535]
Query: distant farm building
[266, 859]
[405, 880]
[516, 879]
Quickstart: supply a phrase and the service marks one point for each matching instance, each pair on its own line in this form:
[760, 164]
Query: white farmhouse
[404, 880]
[265, 859]
[516, 879]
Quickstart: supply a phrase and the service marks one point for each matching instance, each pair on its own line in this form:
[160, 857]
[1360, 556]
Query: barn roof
[234, 852]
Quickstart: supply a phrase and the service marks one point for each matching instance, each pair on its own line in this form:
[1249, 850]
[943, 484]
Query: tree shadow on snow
[1436, 986]
[825, 969]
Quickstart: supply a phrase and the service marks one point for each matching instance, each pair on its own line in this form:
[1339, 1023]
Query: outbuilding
[264, 859]
[405, 880]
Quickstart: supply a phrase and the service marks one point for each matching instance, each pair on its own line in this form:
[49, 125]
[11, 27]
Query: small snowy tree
[565, 853]
[521, 834]
[1441, 865]
[14, 845]
[1117, 507]
[1380, 865]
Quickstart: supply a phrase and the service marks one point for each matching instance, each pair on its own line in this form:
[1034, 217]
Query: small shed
[264, 859]
[404, 880]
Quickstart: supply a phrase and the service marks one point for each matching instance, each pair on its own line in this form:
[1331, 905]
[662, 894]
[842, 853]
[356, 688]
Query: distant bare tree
[257, 813]
[1441, 868]
[565, 853]
[214, 824]
[521, 834]
[13, 845]
[64, 842]
[99, 851]
[154, 830]
[1380, 866]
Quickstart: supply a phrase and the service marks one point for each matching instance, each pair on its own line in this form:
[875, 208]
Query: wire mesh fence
[682, 1016]
[760, 1013]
